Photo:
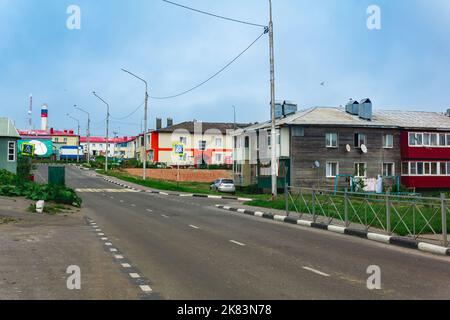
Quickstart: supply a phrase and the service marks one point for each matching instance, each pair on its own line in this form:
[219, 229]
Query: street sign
[27, 149]
[179, 149]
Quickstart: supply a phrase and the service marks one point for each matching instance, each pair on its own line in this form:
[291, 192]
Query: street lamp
[272, 107]
[78, 149]
[144, 175]
[88, 133]
[107, 129]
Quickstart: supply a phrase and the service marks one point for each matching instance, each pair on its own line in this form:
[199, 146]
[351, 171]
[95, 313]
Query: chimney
[44, 117]
[158, 123]
[365, 109]
[169, 122]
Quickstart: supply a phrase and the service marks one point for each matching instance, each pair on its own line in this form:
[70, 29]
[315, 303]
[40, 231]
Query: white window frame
[329, 140]
[221, 158]
[219, 142]
[385, 140]
[358, 146]
[14, 153]
[356, 168]
[393, 169]
[327, 169]
[430, 136]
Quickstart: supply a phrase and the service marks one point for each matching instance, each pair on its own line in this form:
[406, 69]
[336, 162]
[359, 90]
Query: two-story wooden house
[323, 146]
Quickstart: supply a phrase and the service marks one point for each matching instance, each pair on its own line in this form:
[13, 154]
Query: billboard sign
[42, 148]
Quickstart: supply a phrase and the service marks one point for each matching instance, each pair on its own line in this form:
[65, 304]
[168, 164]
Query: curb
[393, 240]
[184, 195]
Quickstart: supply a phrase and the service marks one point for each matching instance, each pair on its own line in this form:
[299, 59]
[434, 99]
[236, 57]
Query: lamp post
[272, 106]
[88, 133]
[78, 149]
[107, 129]
[144, 175]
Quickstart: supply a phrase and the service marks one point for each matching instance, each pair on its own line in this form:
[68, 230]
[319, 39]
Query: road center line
[238, 243]
[316, 271]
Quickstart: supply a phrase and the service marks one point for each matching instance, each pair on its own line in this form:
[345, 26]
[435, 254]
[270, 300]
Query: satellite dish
[364, 148]
[317, 164]
[348, 148]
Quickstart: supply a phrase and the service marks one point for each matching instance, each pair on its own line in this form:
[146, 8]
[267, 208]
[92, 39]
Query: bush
[11, 187]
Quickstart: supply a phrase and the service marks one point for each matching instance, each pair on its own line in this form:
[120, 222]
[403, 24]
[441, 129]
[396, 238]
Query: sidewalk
[36, 251]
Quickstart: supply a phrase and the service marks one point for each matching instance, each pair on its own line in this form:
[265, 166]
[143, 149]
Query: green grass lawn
[185, 187]
[406, 219]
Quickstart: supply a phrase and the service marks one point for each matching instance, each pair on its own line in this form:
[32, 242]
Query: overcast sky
[405, 65]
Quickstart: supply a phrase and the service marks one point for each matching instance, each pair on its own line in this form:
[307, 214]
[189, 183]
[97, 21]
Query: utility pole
[234, 114]
[107, 129]
[78, 149]
[272, 102]
[144, 174]
[88, 134]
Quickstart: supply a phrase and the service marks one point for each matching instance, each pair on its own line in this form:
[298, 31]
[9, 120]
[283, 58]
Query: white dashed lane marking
[133, 205]
[316, 271]
[146, 289]
[149, 210]
[194, 227]
[164, 216]
[238, 243]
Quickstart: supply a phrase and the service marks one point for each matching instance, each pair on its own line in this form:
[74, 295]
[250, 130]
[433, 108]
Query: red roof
[50, 133]
[103, 139]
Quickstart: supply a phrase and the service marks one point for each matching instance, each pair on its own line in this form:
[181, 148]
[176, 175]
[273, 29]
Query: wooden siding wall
[312, 147]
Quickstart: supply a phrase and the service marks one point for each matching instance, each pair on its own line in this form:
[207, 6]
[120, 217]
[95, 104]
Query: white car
[224, 185]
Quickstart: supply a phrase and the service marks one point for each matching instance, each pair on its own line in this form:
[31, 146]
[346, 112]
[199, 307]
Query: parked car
[224, 185]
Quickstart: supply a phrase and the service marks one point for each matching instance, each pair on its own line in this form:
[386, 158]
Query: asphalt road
[188, 249]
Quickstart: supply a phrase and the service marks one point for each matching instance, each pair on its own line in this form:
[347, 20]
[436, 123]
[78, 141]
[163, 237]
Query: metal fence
[424, 218]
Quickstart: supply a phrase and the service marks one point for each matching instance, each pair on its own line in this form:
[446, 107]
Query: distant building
[8, 145]
[118, 147]
[206, 143]
[59, 138]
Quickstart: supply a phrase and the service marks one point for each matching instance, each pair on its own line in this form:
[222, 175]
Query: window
[65, 140]
[11, 151]
[434, 140]
[332, 169]
[448, 140]
[415, 139]
[448, 168]
[360, 139]
[331, 140]
[420, 168]
[388, 169]
[442, 140]
[183, 140]
[247, 142]
[434, 168]
[405, 168]
[426, 139]
[443, 168]
[202, 145]
[413, 167]
[360, 169]
[218, 142]
[427, 168]
[219, 158]
[56, 139]
[298, 132]
[388, 141]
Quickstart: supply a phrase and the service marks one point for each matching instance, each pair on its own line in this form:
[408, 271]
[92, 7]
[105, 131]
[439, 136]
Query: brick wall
[185, 174]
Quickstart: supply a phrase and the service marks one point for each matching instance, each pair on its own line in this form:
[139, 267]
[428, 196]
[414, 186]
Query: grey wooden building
[321, 146]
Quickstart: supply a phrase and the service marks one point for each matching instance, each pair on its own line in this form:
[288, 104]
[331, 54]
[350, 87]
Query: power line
[215, 15]
[214, 75]
[131, 114]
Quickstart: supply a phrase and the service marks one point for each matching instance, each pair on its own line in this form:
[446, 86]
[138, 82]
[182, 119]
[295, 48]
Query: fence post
[388, 213]
[346, 208]
[314, 205]
[286, 197]
[444, 219]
